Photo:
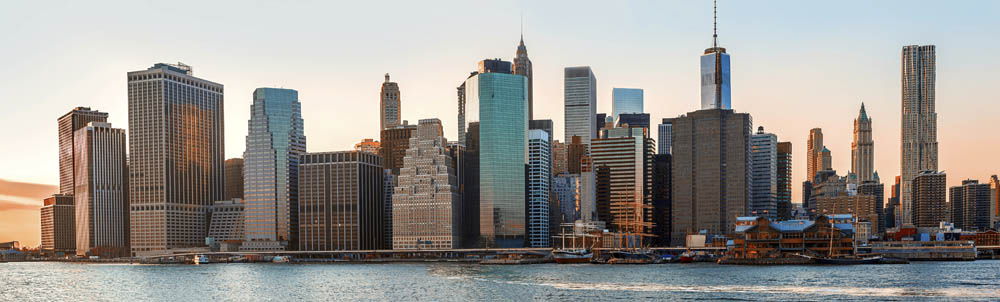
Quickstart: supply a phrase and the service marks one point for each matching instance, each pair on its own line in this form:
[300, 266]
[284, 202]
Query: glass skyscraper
[626, 100]
[275, 140]
[501, 98]
[580, 92]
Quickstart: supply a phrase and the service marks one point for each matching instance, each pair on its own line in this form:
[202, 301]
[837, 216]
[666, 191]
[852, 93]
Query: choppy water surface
[49, 281]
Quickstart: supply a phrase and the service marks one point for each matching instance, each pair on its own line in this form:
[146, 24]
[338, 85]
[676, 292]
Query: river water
[919, 281]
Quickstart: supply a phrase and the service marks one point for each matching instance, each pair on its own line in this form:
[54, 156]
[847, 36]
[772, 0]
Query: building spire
[715, 24]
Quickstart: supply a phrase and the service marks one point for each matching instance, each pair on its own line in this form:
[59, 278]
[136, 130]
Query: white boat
[281, 259]
[200, 259]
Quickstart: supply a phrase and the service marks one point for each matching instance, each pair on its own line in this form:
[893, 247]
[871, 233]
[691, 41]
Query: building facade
[813, 158]
[626, 100]
[176, 163]
[580, 104]
[863, 148]
[663, 134]
[918, 132]
[876, 189]
[764, 177]
[390, 106]
[784, 180]
[77, 118]
[340, 201]
[928, 199]
[539, 188]
[627, 154]
[368, 145]
[101, 191]
[860, 206]
[566, 188]
[716, 89]
[234, 178]
[661, 200]
[394, 143]
[632, 120]
[970, 206]
[226, 222]
[58, 225]
[522, 66]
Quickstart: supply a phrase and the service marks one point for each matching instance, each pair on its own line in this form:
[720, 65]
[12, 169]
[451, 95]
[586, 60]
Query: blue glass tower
[274, 143]
[626, 100]
[715, 85]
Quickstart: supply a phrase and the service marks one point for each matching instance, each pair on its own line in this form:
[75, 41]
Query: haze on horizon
[795, 66]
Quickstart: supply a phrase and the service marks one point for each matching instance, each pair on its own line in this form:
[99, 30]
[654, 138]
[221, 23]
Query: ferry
[200, 259]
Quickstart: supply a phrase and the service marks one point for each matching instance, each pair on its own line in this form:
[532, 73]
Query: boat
[201, 259]
[281, 259]
[567, 256]
[848, 261]
[631, 257]
[687, 257]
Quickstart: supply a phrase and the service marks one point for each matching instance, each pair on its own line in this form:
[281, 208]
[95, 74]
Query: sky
[796, 65]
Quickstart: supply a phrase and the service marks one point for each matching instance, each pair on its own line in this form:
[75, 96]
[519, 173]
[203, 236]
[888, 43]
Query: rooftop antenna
[522, 26]
[715, 24]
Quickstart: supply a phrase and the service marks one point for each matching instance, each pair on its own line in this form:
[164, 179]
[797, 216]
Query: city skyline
[661, 100]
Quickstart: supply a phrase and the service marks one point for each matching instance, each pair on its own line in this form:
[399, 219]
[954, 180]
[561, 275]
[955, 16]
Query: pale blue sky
[795, 64]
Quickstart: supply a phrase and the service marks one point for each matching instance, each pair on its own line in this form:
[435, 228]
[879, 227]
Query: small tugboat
[200, 259]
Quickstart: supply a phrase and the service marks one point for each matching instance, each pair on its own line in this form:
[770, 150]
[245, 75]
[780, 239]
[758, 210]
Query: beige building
[390, 104]
[58, 224]
[77, 118]
[918, 146]
[814, 162]
[863, 148]
[929, 189]
[426, 208]
[101, 191]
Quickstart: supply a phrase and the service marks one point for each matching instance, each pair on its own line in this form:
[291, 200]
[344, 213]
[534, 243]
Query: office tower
[522, 66]
[825, 160]
[994, 201]
[77, 118]
[602, 193]
[574, 154]
[548, 127]
[588, 190]
[710, 172]
[602, 122]
[633, 120]
[275, 140]
[389, 103]
[226, 222]
[234, 178]
[784, 180]
[764, 177]
[558, 158]
[469, 173]
[873, 187]
[928, 199]
[970, 206]
[539, 187]
[863, 148]
[661, 200]
[665, 130]
[426, 208]
[503, 151]
[388, 188]
[461, 109]
[814, 162]
[394, 143]
[340, 201]
[101, 191]
[566, 188]
[627, 153]
[368, 145]
[580, 92]
[892, 208]
[918, 146]
[807, 187]
[626, 100]
[58, 225]
[176, 163]
[860, 206]
[715, 84]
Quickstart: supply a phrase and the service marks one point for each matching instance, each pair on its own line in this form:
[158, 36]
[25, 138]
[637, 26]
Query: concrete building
[58, 225]
[234, 178]
[340, 201]
[784, 180]
[522, 66]
[663, 134]
[861, 206]
[814, 162]
[826, 184]
[580, 104]
[627, 153]
[553, 204]
[764, 174]
[970, 206]
[575, 152]
[873, 187]
[539, 188]
[226, 222]
[918, 145]
[928, 199]
[863, 148]
[558, 158]
[176, 121]
[427, 204]
[274, 143]
[75, 119]
[368, 145]
[710, 172]
[390, 105]
[892, 207]
[566, 188]
[661, 200]
[626, 100]
[394, 143]
[101, 191]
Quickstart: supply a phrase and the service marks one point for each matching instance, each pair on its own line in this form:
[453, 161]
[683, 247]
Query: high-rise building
[234, 178]
[101, 191]
[503, 151]
[892, 208]
[77, 118]
[710, 172]
[275, 140]
[469, 174]
[928, 199]
[627, 153]
[825, 160]
[389, 102]
[814, 162]
[548, 127]
[388, 189]
[539, 188]
[522, 66]
[784, 179]
[715, 85]
[575, 152]
[566, 188]
[665, 130]
[462, 123]
[558, 158]
[863, 148]
[368, 145]
[340, 201]
[633, 120]
[604, 121]
[876, 189]
[580, 92]
[226, 222]
[394, 143]
[970, 206]
[764, 177]
[918, 146]
[626, 100]
[176, 163]
[427, 205]
[58, 225]
[661, 200]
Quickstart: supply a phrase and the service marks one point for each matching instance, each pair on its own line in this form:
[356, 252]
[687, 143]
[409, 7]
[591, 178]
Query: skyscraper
[813, 148]
[340, 201]
[522, 66]
[633, 120]
[58, 222]
[580, 92]
[566, 188]
[665, 130]
[715, 85]
[892, 208]
[626, 100]
[627, 153]
[394, 143]
[275, 140]
[503, 151]
[875, 188]
[918, 146]
[176, 163]
[928, 199]
[77, 118]
[234, 178]
[558, 158]
[427, 204]
[764, 177]
[863, 148]
[784, 179]
[389, 103]
[661, 199]
[970, 206]
[101, 192]
[539, 188]
[710, 172]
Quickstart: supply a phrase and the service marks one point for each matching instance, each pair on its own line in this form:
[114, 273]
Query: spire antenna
[715, 24]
